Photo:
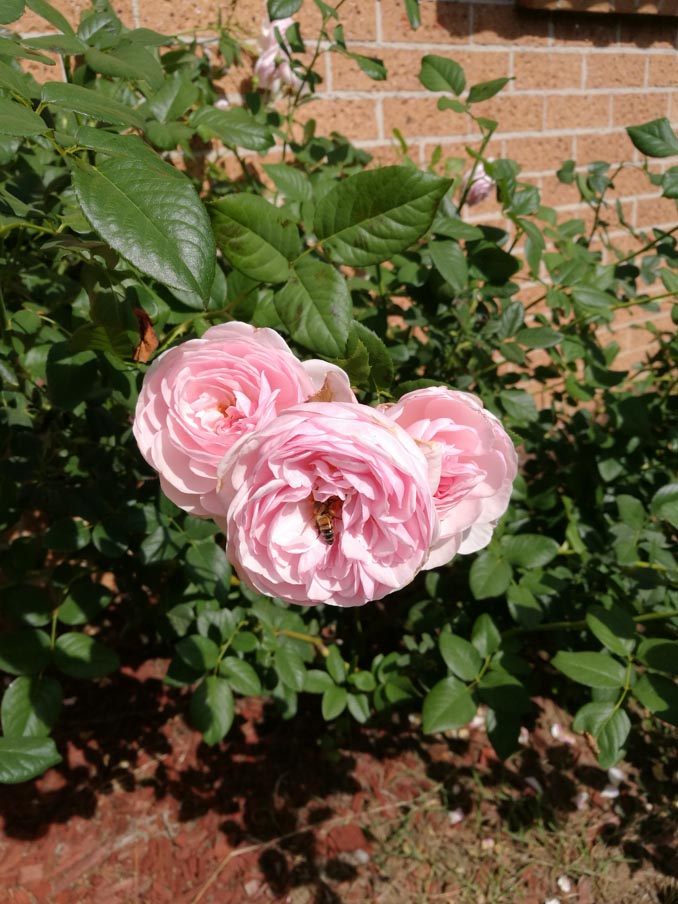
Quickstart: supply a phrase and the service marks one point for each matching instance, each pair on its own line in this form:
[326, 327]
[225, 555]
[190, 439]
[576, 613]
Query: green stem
[307, 638]
[581, 623]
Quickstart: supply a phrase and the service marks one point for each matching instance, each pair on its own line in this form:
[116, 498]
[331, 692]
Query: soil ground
[142, 812]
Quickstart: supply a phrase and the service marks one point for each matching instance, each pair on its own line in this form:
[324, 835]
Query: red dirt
[142, 811]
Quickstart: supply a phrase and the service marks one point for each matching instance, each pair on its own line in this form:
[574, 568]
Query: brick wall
[578, 80]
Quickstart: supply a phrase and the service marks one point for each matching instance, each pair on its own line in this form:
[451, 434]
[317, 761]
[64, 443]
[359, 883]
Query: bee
[324, 514]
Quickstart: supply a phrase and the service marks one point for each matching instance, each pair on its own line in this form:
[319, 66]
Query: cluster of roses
[322, 499]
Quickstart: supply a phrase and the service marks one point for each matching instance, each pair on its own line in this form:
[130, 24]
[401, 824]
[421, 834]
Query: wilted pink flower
[272, 69]
[481, 187]
[200, 397]
[473, 465]
[329, 503]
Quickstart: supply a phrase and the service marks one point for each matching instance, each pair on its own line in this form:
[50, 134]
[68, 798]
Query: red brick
[614, 146]
[663, 70]
[441, 22]
[615, 70]
[547, 70]
[507, 25]
[539, 153]
[514, 113]
[577, 111]
[420, 116]
[356, 118]
[585, 31]
[403, 68]
[648, 32]
[655, 212]
[633, 109]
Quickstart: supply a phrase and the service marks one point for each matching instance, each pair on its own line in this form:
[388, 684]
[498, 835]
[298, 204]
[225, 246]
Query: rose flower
[477, 463]
[200, 397]
[328, 503]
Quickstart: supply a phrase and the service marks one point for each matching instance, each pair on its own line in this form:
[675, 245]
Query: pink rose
[329, 503]
[202, 396]
[272, 69]
[481, 187]
[472, 459]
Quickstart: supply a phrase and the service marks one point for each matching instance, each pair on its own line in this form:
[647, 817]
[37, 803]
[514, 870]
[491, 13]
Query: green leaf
[290, 667]
[613, 627]
[316, 308]
[373, 67]
[503, 730]
[207, 564]
[359, 707]
[538, 337]
[81, 656]
[664, 504]
[631, 511]
[460, 656]
[199, 653]
[22, 759]
[451, 103]
[211, 709]
[216, 624]
[659, 654]
[31, 706]
[334, 702]
[450, 261]
[83, 603]
[51, 15]
[449, 704]
[373, 215]
[610, 727]
[293, 183]
[530, 550]
[490, 575]
[240, 675]
[67, 535]
[127, 61]
[24, 652]
[281, 9]
[591, 669]
[503, 692]
[235, 127]
[11, 10]
[151, 214]
[15, 119]
[61, 44]
[485, 635]
[670, 183]
[592, 299]
[316, 681]
[659, 695]
[441, 74]
[364, 681]
[257, 238]
[412, 10]
[18, 83]
[379, 360]
[485, 90]
[519, 405]
[335, 665]
[655, 138]
[115, 145]
[90, 103]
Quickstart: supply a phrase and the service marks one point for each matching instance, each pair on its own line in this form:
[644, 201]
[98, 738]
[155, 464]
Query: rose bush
[317, 452]
[200, 397]
[476, 462]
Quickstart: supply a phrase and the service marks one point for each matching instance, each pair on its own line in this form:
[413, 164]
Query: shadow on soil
[272, 782]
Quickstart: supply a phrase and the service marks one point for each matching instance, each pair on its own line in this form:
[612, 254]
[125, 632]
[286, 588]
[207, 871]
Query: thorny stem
[314, 59]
